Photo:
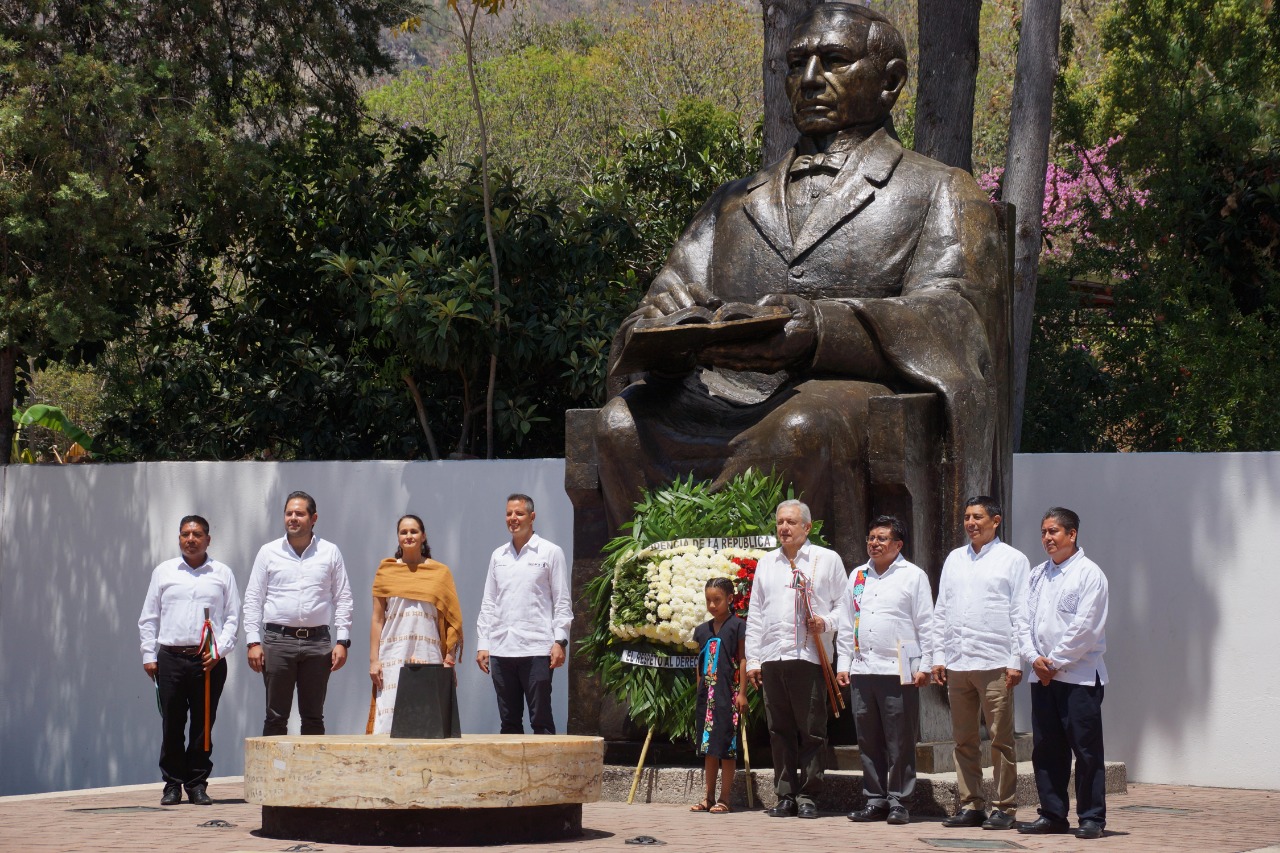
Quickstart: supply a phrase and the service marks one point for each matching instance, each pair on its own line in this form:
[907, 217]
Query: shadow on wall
[78, 709]
[1181, 538]
[77, 546]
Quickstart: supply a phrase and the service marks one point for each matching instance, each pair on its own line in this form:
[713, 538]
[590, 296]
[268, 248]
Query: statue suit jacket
[901, 249]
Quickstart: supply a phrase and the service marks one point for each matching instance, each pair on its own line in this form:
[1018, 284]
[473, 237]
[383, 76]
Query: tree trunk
[8, 397]
[468, 34]
[422, 413]
[779, 131]
[947, 81]
[1025, 166]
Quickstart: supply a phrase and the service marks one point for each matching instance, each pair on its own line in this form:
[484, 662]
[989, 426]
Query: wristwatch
[346, 644]
[564, 644]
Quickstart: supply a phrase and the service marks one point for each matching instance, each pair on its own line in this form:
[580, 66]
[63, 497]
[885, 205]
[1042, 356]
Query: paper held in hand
[910, 660]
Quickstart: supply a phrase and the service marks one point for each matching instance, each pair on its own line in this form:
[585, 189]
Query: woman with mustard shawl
[416, 618]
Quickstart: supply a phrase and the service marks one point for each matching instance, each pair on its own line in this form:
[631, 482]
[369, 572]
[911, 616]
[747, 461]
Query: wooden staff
[833, 692]
[746, 762]
[635, 781]
[206, 641]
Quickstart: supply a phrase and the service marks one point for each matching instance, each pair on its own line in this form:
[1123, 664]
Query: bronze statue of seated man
[849, 269]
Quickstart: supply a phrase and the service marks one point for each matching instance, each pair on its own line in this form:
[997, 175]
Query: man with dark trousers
[1064, 640]
[785, 650]
[298, 587]
[887, 609]
[522, 634]
[171, 627]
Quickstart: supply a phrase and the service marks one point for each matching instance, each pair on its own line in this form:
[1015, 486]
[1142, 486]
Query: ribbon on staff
[803, 602]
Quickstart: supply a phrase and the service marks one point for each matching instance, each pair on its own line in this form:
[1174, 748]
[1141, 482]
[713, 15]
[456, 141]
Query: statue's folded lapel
[766, 206]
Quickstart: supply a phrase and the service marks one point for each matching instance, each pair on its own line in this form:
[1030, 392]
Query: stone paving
[1148, 819]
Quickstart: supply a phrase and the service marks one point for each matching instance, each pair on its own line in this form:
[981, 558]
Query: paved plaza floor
[1149, 819]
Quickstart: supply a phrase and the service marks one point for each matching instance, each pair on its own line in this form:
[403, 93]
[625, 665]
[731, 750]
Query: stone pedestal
[480, 789]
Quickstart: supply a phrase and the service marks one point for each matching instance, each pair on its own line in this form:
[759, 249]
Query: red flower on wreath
[746, 577]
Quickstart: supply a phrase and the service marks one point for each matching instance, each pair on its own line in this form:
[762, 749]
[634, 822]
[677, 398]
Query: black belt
[185, 651]
[320, 633]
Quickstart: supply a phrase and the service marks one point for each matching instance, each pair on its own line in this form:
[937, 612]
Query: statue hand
[791, 347]
[669, 294]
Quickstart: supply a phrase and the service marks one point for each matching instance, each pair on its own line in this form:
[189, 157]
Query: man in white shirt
[1064, 640]
[887, 609]
[178, 656]
[522, 634]
[782, 654]
[977, 621]
[298, 586]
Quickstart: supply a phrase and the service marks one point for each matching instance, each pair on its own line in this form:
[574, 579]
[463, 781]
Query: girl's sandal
[720, 808]
[701, 807]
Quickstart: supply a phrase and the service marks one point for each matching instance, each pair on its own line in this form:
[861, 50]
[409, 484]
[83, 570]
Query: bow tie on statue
[817, 164]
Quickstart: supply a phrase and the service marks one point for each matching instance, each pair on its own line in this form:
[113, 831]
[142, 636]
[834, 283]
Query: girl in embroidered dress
[416, 618]
[722, 640]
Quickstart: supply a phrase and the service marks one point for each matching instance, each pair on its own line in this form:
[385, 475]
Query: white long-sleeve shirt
[1067, 619]
[527, 602]
[775, 625]
[298, 591]
[173, 611]
[895, 606]
[981, 608]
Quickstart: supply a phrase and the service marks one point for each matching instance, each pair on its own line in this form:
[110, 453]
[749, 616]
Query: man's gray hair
[805, 515]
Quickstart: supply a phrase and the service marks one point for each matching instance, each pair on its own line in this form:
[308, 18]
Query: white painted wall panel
[77, 545]
[1188, 544]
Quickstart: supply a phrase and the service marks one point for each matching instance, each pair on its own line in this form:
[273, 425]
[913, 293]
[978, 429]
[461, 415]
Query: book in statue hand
[675, 340]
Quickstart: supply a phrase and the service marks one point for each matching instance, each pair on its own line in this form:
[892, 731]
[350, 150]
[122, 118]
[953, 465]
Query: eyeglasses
[881, 539]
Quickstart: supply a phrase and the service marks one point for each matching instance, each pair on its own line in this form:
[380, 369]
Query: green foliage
[559, 98]
[50, 418]
[131, 133]
[364, 268]
[1181, 351]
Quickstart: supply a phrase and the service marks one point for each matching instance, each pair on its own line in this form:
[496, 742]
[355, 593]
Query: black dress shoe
[1089, 829]
[899, 816]
[966, 817]
[1045, 826]
[808, 810]
[870, 814]
[172, 795]
[786, 807]
[998, 820]
[198, 797]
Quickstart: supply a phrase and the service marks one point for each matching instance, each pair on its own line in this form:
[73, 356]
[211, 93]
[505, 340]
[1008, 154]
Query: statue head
[846, 66]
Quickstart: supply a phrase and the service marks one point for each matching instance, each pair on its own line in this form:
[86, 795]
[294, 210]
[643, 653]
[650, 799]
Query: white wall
[77, 545]
[1186, 541]
[1188, 544]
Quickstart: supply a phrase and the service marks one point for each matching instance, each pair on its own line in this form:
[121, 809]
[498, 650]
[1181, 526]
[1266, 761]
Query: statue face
[831, 81]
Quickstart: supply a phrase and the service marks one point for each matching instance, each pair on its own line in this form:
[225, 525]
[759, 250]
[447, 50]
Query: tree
[1024, 174]
[129, 132]
[779, 16]
[947, 81]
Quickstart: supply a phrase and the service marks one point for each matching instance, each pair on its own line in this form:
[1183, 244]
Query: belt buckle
[302, 633]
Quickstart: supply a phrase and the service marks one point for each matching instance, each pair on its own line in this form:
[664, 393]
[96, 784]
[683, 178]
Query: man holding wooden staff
[794, 602]
[885, 618]
[189, 668]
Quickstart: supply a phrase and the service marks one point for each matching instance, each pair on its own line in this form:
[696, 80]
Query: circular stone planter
[373, 789]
